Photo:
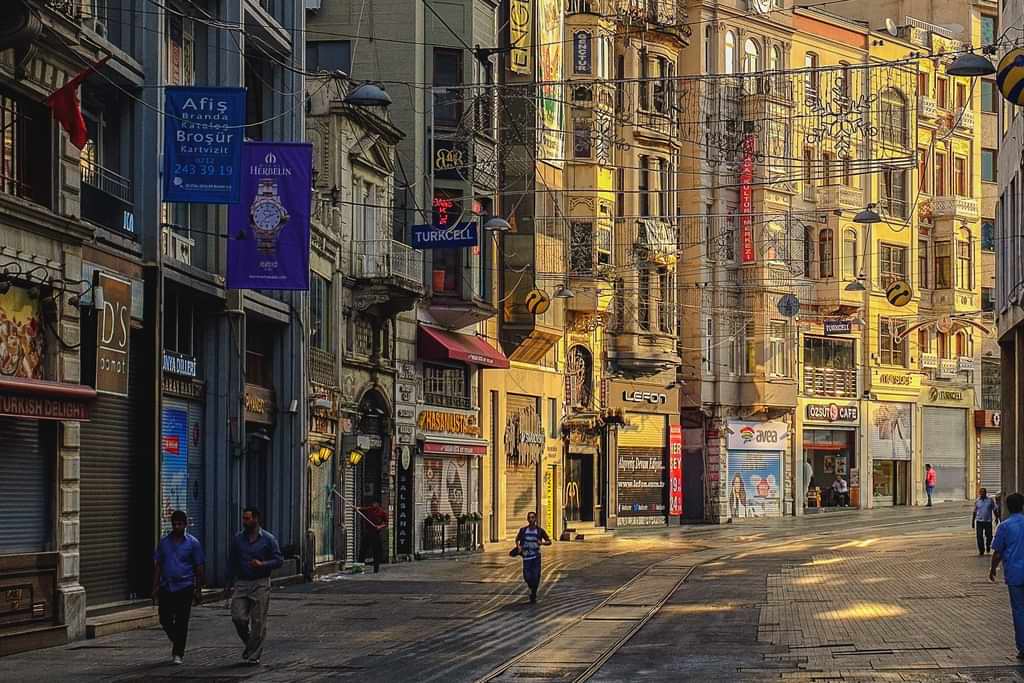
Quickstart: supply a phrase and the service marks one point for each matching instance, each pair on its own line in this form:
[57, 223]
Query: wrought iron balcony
[176, 246]
[107, 198]
[830, 382]
[391, 275]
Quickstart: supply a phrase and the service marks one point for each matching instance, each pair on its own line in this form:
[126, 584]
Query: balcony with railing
[927, 107]
[955, 208]
[831, 382]
[107, 198]
[390, 276]
[964, 116]
[832, 197]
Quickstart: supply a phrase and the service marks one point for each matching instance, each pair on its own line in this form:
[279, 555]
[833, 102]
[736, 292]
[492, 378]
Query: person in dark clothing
[985, 512]
[178, 565]
[528, 542]
[375, 523]
[254, 555]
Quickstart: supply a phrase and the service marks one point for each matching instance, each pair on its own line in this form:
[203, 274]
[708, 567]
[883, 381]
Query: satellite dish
[890, 27]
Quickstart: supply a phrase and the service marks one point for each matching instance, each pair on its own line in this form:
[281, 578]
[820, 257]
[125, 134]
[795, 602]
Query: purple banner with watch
[268, 230]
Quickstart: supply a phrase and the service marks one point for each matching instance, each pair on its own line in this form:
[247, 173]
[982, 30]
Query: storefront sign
[641, 488]
[404, 504]
[757, 436]
[832, 412]
[898, 380]
[581, 53]
[520, 28]
[182, 387]
[451, 162]
[652, 397]
[22, 335]
[643, 398]
[988, 419]
[406, 392]
[747, 254]
[203, 144]
[524, 437]
[429, 236]
[177, 364]
[835, 326]
[454, 448]
[113, 324]
[943, 395]
[44, 408]
[675, 470]
[448, 423]
[406, 434]
[272, 217]
[259, 404]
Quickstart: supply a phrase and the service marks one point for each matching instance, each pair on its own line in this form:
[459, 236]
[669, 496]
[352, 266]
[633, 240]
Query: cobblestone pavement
[866, 596]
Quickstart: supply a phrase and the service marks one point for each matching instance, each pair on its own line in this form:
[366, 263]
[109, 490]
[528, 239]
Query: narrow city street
[888, 595]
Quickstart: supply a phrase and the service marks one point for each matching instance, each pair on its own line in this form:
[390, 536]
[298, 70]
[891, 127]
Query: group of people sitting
[836, 495]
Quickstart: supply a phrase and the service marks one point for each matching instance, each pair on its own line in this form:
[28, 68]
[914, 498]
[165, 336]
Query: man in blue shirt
[528, 542]
[985, 510]
[254, 555]
[177, 578]
[1008, 548]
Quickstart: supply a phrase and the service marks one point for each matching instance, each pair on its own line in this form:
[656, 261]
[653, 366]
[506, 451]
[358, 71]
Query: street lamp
[497, 224]
[857, 285]
[971, 65]
[867, 216]
[368, 95]
[563, 292]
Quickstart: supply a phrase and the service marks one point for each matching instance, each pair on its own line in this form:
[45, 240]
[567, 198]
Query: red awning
[438, 344]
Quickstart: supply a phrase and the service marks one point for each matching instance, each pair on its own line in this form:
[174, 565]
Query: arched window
[825, 253]
[775, 61]
[730, 52]
[894, 117]
[775, 242]
[961, 344]
[751, 56]
[850, 254]
[579, 373]
[964, 260]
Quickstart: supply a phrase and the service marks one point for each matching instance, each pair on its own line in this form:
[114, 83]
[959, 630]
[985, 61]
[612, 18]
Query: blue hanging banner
[203, 134]
[428, 236]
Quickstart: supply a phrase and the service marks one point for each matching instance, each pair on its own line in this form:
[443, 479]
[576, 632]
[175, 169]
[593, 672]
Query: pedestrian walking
[254, 555]
[178, 565]
[528, 542]
[375, 522]
[1008, 550]
[986, 510]
[930, 477]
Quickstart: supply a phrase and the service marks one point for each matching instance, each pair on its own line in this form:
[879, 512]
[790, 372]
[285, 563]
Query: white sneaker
[177, 659]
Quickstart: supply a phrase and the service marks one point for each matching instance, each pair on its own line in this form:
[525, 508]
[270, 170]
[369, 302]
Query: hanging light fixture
[564, 292]
[867, 216]
[971, 65]
[368, 95]
[497, 224]
[855, 286]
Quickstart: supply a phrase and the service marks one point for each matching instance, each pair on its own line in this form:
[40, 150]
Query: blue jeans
[531, 573]
[928, 490]
[1017, 607]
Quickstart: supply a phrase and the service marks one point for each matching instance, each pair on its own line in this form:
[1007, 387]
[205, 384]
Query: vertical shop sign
[549, 499]
[747, 201]
[173, 465]
[203, 144]
[520, 28]
[112, 335]
[404, 505]
[675, 470]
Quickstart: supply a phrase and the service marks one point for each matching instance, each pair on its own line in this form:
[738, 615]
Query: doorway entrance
[579, 488]
[889, 480]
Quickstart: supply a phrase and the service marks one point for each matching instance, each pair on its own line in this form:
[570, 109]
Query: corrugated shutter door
[945, 436]
[520, 496]
[890, 430]
[196, 464]
[350, 515]
[643, 431]
[756, 492]
[109, 484]
[26, 477]
[991, 465]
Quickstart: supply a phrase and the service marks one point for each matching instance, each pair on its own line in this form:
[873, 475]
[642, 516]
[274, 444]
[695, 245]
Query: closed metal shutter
[754, 481]
[991, 469]
[520, 497]
[26, 488]
[643, 431]
[183, 487]
[110, 503]
[945, 448]
[891, 431]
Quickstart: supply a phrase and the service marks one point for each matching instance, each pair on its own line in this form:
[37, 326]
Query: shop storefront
[367, 473]
[524, 447]
[988, 424]
[447, 475]
[584, 471]
[944, 416]
[643, 476]
[830, 436]
[755, 452]
[891, 447]
[260, 411]
[182, 456]
[322, 466]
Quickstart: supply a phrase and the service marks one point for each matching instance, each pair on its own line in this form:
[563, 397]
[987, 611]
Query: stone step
[584, 529]
[32, 638]
[119, 622]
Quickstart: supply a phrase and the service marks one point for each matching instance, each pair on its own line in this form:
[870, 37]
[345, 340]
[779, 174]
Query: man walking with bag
[178, 564]
[254, 555]
[528, 542]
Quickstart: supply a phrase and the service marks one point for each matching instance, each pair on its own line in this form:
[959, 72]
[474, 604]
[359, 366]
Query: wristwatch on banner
[268, 216]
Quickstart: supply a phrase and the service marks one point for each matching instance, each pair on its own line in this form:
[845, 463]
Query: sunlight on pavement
[699, 609]
[856, 544]
[823, 561]
[809, 580]
[860, 611]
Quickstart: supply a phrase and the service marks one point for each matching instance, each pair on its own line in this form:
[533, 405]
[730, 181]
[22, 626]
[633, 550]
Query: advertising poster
[203, 134]
[892, 431]
[173, 465]
[22, 337]
[675, 470]
[444, 486]
[268, 230]
[754, 479]
[641, 487]
[549, 73]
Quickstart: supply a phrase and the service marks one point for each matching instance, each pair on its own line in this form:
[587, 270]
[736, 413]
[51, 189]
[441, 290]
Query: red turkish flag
[68, 111]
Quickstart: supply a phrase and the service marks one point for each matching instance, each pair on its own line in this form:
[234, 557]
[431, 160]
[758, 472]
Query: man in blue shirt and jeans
[1008, 549]
[254, 555]
[177, 578]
